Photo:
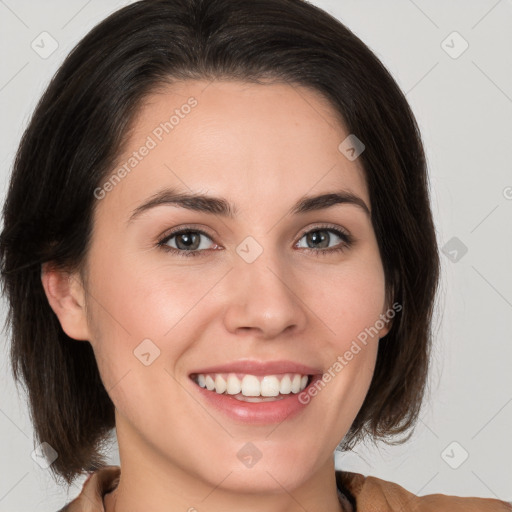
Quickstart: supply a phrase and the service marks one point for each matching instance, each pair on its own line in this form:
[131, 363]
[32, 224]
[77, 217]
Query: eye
[321, 236]
[187, 242]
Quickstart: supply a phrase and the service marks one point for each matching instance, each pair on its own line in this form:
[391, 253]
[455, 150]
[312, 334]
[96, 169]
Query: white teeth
[210, 384]
[270, 386]
[220, 384]
[286, 385]
[296, 384]
[234, 385]
[252, 385]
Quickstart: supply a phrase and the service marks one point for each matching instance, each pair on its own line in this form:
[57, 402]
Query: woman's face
[261, 283]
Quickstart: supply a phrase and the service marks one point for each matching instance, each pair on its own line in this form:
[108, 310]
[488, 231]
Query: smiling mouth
[253, 388]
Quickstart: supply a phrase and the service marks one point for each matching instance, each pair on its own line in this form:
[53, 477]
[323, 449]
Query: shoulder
[367, 493]
[371, 493]
[98, 483]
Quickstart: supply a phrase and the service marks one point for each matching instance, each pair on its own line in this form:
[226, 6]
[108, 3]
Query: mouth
[255, 398]
[253, 388]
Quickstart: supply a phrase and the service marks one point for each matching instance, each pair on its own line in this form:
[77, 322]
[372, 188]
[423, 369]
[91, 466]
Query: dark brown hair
[75, 135]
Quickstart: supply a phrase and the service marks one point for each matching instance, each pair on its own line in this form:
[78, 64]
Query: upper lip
[253, 367]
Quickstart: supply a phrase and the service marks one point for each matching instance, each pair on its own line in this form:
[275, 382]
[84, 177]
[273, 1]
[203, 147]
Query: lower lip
[257, 413]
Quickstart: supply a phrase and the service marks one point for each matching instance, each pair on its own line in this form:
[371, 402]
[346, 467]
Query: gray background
[463, 104]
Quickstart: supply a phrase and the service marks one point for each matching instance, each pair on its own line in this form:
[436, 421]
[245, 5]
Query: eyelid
[341, 232]
[164, 237]
[326, 226]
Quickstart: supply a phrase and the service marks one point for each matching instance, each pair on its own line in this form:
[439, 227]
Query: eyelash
[347, 241]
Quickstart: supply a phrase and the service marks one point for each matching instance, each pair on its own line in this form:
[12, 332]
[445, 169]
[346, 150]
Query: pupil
[314, 237]
[188, 239]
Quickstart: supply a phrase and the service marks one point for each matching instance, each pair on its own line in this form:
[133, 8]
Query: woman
[164, 278]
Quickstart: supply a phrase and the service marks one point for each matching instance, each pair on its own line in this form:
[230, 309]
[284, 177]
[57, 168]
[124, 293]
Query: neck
[149, 481]
[139, 494]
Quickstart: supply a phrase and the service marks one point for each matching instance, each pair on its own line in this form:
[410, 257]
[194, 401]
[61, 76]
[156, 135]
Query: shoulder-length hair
[77, 131]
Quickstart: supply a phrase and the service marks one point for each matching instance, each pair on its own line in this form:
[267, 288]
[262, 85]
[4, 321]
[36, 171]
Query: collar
[357, 493]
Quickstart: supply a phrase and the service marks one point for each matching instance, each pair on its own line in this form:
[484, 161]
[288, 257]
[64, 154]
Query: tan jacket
[368, 493]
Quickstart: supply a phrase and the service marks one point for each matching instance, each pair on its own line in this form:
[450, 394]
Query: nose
[263, 298]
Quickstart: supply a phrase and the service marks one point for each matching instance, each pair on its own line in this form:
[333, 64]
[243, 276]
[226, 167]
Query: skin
[262, 147]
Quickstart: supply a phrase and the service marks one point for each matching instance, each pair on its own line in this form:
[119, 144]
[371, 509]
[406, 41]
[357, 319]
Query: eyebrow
[220, 206]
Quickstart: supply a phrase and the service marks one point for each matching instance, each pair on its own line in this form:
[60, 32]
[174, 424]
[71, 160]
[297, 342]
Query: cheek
[140, 299]
[134, 298]
[352, 300]
[138, 308]
[350, 305]
[351, 310]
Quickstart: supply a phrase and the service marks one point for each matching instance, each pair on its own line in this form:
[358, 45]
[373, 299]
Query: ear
[387, 327]
[66, 296]
[388, 315]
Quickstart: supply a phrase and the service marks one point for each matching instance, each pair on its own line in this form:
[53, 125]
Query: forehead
[253, 143]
